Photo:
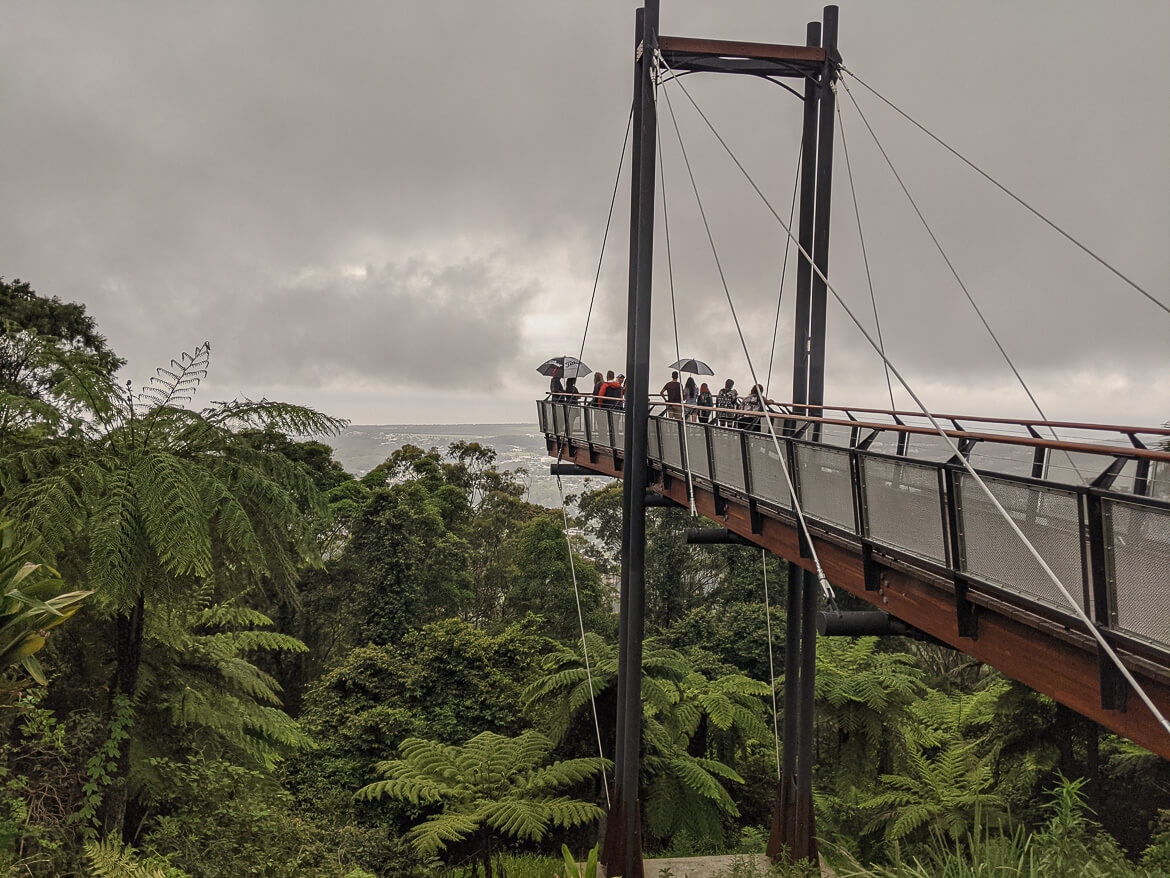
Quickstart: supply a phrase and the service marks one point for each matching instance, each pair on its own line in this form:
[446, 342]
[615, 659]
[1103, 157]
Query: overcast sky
[393, 210]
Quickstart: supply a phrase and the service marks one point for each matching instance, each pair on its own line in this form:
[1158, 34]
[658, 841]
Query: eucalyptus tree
[152, 499]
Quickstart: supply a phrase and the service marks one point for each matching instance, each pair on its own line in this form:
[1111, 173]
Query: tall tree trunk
[487, 857]
[128, 658]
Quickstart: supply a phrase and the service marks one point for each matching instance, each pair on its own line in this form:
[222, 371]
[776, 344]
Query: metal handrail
[1126, 451]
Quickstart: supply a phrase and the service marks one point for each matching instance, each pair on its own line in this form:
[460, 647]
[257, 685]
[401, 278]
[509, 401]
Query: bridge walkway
[898, 523]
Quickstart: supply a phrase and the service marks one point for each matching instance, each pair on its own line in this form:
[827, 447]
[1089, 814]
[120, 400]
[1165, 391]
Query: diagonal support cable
[784, 268]
[1006, 191]
[1078, 611]
[771, 663]
[826, 588]
[584, 645]
[864, 254]
[959, 280]
[674, 312]
[605, 236]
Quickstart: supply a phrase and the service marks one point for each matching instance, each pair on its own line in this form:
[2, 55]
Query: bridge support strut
[793, 833]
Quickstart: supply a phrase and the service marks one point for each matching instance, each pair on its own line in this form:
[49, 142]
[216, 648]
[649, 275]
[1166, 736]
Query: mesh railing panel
[671, 438]
[1159, 481]
[767, 473]
[619, 429]
[904, 506]
[826, 491]
[546, 417]
[999, 457]
[575, 420]
[697, 448]
[598, 426]
[727, 457]
[992, 551]
[652, 440]
[1141, 569]
[558, 419]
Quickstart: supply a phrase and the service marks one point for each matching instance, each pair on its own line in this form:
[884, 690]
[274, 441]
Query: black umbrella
[557, 367]
[695, 367]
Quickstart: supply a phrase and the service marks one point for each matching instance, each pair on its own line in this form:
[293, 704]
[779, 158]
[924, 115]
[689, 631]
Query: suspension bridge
[1039, 547]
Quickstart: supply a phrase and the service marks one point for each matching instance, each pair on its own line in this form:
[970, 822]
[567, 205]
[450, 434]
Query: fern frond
[111, 860]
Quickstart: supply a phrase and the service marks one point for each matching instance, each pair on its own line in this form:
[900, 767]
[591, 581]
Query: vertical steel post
[806, 838]
[631, 318]
[820, 251]
[783, 835]
[624, 839]
[808, 177]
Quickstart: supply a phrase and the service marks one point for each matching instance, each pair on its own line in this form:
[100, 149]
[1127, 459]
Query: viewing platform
[899, 522]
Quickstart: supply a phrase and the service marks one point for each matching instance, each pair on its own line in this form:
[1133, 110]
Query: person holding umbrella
[690, 399]
[561, 367]
[691, 396]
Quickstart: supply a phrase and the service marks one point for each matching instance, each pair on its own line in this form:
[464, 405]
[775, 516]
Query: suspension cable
[674, 312]
[584, 645]
[784, 267]
[864, 255]
[826, 589]
[771, 662]
[1006, 191]
[958, 456]
[605, 236]
[954, 272]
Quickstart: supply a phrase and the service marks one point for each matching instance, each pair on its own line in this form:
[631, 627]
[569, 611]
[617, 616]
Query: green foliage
[215, 819]
[445, 681]
[732, 634]
[52, 358]
[1068, 843]
[491, 787]
[691, 724]
[571, 868]
[411, 559]
[201, 684]
[35, 600]
[940, 793]
[541, 581]
[155, 488]
[101, 768]
[113, 860]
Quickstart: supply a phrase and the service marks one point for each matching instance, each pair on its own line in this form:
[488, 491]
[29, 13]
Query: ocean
[361, 447]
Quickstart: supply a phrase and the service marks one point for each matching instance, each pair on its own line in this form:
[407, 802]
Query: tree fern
[684, 790]
[492, 786]
[152, 488]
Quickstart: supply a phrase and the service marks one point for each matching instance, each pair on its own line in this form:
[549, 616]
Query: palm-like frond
[492, 783]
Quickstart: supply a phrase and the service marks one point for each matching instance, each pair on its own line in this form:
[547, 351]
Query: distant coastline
[361, 447]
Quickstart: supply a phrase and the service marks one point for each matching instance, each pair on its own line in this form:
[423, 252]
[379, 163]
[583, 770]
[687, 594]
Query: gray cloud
[224, 170]
[418, 324]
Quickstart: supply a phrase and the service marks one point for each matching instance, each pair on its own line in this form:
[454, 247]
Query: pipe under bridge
[898, 522]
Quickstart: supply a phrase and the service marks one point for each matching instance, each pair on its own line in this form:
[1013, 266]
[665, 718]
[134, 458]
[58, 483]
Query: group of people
[727, 408]
[608, 392]
[692, 401]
